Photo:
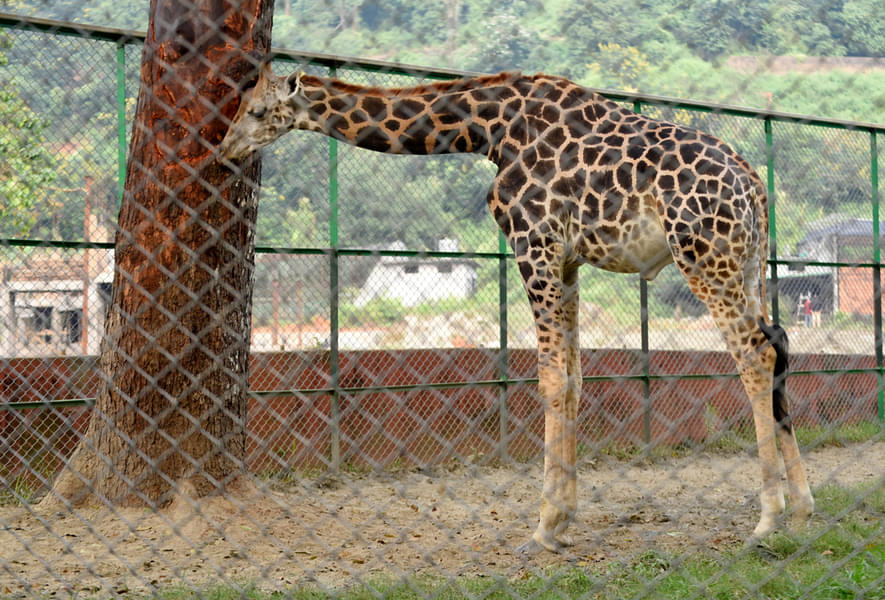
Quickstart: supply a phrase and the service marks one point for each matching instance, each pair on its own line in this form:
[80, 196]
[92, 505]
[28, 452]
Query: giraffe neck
[467, 115]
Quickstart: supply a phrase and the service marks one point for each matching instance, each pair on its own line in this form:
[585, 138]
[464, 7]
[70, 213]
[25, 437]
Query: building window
[444, 268]
[42, 318]
[71, 323]
[411, 269]
[38, 322]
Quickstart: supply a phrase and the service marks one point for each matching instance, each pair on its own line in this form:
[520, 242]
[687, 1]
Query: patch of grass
[220, 592]
[839, 434]
[743, 440]
[22, 489]
[841, 556]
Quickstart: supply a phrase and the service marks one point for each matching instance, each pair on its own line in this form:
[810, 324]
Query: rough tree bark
[171, 416]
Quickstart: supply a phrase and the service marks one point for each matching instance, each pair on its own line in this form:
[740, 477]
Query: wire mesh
[391, 431]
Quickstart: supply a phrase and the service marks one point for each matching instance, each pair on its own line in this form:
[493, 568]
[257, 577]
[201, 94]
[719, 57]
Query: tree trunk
[172, 413]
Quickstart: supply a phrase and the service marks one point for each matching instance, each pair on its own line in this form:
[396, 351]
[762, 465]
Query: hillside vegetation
[654, 46]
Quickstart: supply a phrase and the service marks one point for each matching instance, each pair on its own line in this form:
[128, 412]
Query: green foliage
[715, 29]
[839, 434]
[502, 41]
[670, 290]
[378, 312]
[615, 66]
[26, 165]
[123, 14]
[864, 27]
[842, 320]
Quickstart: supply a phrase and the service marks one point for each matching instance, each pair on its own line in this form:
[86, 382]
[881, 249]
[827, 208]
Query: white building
[416, 280]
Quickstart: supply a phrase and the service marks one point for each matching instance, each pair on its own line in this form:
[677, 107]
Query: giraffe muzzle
[232, 150]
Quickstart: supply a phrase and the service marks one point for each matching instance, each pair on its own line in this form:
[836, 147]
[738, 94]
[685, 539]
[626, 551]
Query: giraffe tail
[777, 337]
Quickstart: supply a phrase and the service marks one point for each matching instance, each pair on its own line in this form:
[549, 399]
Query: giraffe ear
[293, 82]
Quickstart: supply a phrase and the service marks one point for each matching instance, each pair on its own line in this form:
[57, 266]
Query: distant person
[809, 313]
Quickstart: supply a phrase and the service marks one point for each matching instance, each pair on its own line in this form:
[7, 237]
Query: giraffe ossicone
[580, 180]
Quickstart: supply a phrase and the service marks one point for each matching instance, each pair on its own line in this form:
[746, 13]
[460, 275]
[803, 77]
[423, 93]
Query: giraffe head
[268, 110]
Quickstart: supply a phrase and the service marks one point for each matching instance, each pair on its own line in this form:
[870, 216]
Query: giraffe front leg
[559, 496]
[559, 384]
[559, 493]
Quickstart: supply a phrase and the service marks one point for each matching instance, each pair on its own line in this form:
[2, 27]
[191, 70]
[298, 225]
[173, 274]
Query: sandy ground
[339, 532]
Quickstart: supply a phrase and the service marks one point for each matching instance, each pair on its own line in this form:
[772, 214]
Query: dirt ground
[336, 533]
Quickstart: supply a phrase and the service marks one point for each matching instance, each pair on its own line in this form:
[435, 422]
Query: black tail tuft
[777, 337]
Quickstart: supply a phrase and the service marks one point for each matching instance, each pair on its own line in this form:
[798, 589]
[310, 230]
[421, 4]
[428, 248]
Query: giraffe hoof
[758, 539]
[766, 526]
[798, 523]
[534, 546]
[764, 551]
[801, 514]
[530, 548]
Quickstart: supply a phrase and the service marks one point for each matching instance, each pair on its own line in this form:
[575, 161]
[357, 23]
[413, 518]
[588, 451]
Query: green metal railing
[334, 252]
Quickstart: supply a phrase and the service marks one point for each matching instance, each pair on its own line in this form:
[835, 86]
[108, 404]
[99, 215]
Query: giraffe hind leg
[802, 502]
[738, 313]
[756, 361]
[559, 384]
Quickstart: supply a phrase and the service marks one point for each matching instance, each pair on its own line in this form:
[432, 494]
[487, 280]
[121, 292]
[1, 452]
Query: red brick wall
[427, 426]
[856, 290]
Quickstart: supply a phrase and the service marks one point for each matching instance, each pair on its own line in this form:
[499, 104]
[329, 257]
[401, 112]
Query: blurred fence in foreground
[389, 329]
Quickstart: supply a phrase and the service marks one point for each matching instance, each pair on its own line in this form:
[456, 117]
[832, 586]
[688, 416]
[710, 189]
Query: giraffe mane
[437, 87]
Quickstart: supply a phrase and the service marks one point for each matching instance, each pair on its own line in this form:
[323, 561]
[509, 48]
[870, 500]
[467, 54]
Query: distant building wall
[856, 291]
[54, 305]
[415, 281]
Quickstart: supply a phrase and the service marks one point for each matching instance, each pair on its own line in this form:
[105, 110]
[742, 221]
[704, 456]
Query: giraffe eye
[258, 112]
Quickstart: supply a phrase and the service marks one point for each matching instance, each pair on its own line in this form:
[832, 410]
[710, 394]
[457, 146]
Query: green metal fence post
[772, 221]
[121, 118]
[643, 341]
[334, 379]
[646, 361]
[877, 274]
[503, 414]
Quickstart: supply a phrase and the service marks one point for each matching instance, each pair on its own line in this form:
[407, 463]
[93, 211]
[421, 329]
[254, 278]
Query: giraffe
[580, 180]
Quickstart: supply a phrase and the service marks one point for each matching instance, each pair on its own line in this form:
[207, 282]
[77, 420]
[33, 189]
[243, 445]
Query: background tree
[26, 166]
[864, 22]
[617, 67]
[175, 352]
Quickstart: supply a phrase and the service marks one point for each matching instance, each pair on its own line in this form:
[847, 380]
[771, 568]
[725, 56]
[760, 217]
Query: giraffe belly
[638, 246]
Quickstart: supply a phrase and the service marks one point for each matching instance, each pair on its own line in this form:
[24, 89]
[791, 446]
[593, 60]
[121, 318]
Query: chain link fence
[393, 429]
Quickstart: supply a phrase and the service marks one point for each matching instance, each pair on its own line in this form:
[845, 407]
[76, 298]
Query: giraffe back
[618, 189]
